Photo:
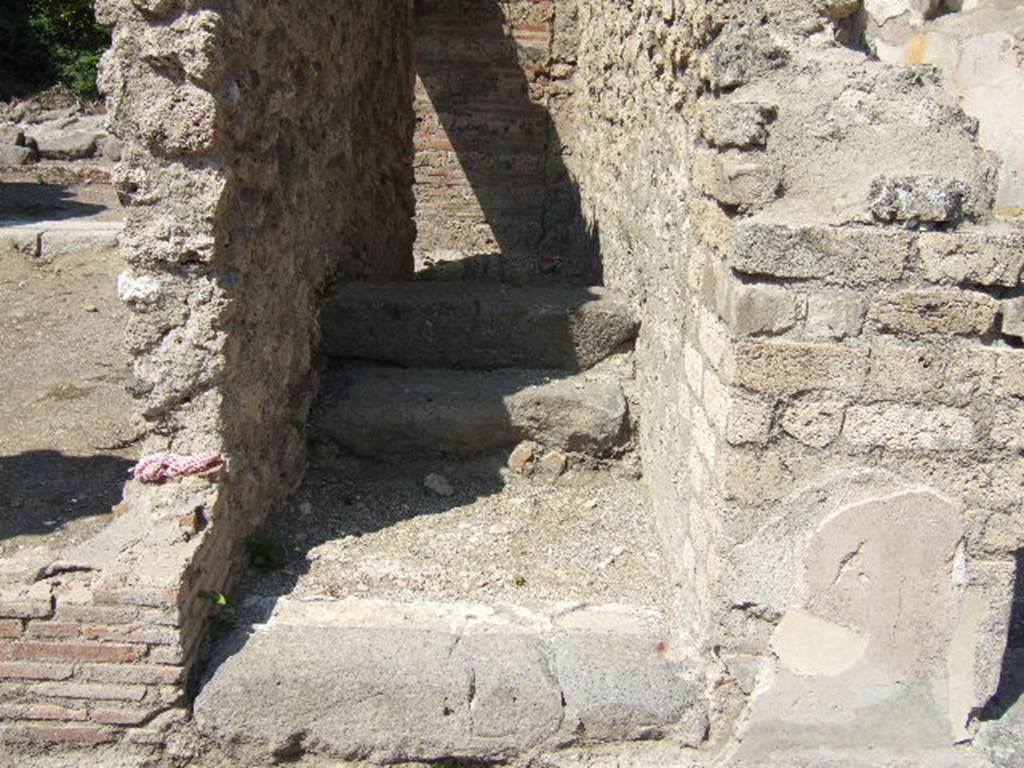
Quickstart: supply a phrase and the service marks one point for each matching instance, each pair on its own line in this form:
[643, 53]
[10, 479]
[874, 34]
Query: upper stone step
[476, 325]
[378, 410]
[392, 682]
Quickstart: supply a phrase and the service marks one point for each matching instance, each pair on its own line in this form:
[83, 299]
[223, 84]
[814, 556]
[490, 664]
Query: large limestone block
[405, 682]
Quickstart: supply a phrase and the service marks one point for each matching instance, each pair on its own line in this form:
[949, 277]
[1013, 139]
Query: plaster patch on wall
[807, 645]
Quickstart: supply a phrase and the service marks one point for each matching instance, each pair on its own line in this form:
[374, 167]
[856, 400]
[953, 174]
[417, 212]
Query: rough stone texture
[453, 325]
[950, 313]
[620, 688]
[408, 682]
[14, 155]
[977, 51]
[252, 172]
[380, 411]
[1013, 317]
[790, 447]
[881, 358]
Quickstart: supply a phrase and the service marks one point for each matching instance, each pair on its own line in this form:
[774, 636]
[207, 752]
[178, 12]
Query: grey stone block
[351, 692]
[838, 255]
[624, 687]
[11, 134]
[70, 145]
[14, 155]
[1013, 317]
[515, 701]
[459, 325]
[921, 199]
[405, 685]
[373, 410]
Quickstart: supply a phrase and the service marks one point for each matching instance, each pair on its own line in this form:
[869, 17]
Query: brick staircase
[478, 577]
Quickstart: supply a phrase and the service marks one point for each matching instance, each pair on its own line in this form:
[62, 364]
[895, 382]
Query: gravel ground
[373, 529]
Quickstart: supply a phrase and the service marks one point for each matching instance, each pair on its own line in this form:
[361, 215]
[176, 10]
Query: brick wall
[493, 197]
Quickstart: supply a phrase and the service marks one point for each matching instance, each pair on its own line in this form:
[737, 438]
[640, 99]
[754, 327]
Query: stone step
[476, 325]
[393, 682]
[378, 410]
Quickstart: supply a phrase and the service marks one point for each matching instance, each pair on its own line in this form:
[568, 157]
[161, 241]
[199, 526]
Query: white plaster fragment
[807, 645]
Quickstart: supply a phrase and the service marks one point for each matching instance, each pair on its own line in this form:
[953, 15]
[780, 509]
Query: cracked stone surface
[391, 681]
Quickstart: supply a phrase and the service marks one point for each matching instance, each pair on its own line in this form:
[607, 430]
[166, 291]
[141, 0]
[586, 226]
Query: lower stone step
[393, 682]
[375, 410]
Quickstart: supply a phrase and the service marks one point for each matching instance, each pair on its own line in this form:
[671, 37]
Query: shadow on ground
[42, 490]
[24, 202]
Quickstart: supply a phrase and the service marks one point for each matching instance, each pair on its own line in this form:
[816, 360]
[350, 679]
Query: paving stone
[410, 682]
[359, 691]
[65, 145]
[626, 688]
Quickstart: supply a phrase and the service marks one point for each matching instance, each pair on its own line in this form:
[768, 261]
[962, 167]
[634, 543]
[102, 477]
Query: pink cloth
[161, 466]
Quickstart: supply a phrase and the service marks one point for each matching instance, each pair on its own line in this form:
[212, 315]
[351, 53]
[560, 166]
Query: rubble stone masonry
[830, 366]
[267, 149]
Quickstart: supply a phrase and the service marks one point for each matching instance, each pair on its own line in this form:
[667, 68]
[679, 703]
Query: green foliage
[44, 42]
[217, 599]
[223, 619]
[266, 551]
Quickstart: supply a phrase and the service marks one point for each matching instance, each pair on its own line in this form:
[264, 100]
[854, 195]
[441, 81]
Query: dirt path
[62, 373]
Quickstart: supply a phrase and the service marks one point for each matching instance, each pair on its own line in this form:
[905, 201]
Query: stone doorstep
[377, 410]
[479, 325]
[54, 239]
[428, 681]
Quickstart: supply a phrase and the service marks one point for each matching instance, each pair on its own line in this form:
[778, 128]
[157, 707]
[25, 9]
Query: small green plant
[222, 620]
[216, 599]
[267, 552]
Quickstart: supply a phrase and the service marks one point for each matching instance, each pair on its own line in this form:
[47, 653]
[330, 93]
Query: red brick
[96, 614]
[15, 670]
[10, 628]
[40, 712]
[66, 734]
[90, 691]
[133, 634]
[51, 629]
[125, 715]
[78, 651]
[145, 674]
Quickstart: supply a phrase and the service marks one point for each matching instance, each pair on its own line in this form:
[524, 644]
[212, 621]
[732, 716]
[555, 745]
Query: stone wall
[263, 156]
[494, 199]
[829, 359]
[977, 45]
